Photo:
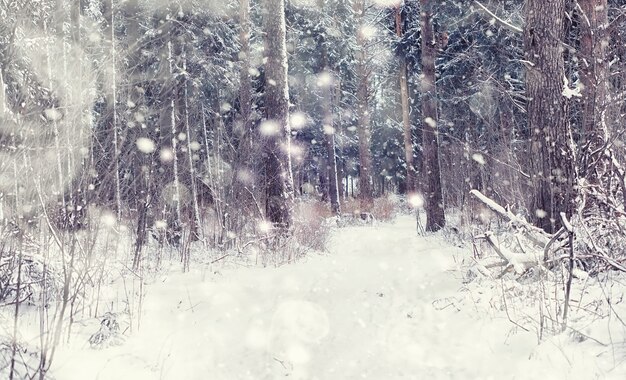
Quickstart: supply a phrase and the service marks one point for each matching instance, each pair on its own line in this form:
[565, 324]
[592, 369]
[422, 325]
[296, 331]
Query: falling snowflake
[145, 145]
[430, 122]
[479, 158]
[269, 128]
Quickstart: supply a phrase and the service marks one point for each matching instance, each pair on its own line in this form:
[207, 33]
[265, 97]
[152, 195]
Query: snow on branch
[519, 262]
[535, 234]
[508, 25]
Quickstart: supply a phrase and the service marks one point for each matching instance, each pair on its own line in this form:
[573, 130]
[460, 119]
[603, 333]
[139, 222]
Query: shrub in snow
[386, 208]
[356, 218]
[26, 360]
[311, 226]
[34, 280]
[109, 333]
[24, 273]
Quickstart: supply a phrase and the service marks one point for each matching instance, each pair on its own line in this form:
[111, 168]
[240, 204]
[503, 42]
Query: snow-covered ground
[384, 303]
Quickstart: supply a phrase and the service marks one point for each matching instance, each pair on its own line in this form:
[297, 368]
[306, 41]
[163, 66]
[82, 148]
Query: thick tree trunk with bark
[366, 193]
[435, 218]
[328, 87]
[594, 76]
[245, 89]
[338, 138]
[243, 180]
[406, 117]
[329, 135]
[277, 144]
[551, 152]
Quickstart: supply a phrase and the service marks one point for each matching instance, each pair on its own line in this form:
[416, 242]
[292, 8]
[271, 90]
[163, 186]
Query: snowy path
[372, 309]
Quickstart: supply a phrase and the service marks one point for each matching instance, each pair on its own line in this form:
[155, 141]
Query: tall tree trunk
[115, 126]
[327, 84]
[594, 76]
[329, 135]
[435, 218]
[363, 117]
[245, 89]
[276, 144]
[338, 138]
[242, 178]
[406, 118]
[552, 154]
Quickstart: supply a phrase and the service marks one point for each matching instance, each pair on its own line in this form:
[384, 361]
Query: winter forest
[312, 189]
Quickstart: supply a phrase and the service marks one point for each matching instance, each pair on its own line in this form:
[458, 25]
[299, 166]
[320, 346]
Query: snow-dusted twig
[568, 287]
[546, 250]
[519, 262]
[534, 234]
[505, 23]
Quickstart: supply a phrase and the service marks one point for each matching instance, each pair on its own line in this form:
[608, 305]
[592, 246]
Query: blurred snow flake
[264, 226]
[430, 122]
[304, 3]
[541, 213]
[108, 219]
[479, 158]
[416, 200]
[194, 146]
[145, 145]
[226, 107]
[387, 3]
[368, 32]
[269, 128]
[245, 176]
[166, 155]
[254, 72]
[328, 129]
[94, 37]
[325, 79]
[52, 114]
[295, 150]
[298, 120]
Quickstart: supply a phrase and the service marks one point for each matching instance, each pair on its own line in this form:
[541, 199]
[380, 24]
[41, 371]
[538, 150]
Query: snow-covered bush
[24, 276]
[110, 333]
[385, 208]
[34, 279]
[311, 224]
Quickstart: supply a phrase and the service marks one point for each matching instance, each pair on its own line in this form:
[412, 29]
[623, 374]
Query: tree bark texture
[594, 76]
[551, 151]
[406, 112]
[243, 179]
[435, 218]
[329, 135]
[277, 146]
[363, 117]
